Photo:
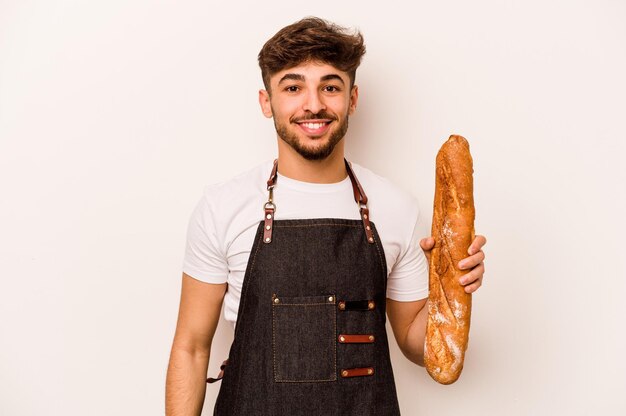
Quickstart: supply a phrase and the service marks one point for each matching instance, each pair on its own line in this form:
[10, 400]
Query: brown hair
[311, 39]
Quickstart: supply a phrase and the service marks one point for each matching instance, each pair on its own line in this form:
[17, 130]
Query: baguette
[449, 307]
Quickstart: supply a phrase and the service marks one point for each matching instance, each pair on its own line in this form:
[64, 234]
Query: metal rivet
[371, 337]
[267, 240]
[344, 373]
[364, 215]
[342, 338]
[371, 239]
[268, 216]
[370, 305]
[342, 305]
[368, 228]
[267, 227]
[370, 371]
[330, 298]
[276, 300]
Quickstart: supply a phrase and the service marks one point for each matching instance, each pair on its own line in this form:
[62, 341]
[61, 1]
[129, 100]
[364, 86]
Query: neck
[329, 170]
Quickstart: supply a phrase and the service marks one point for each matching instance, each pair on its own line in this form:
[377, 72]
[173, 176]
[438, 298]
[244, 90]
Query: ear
[354, 97]
[264, 102]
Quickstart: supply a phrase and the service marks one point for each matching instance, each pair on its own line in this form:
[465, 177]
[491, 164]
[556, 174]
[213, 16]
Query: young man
[307, 275]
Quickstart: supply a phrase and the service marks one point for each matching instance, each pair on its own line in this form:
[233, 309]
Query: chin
[311, 148]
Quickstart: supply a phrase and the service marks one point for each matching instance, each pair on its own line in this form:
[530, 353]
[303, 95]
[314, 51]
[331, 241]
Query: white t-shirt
[222, 227]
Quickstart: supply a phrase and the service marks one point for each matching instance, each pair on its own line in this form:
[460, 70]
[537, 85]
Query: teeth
[313, 126]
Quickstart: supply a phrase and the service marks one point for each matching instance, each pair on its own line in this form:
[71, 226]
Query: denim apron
[310, 337]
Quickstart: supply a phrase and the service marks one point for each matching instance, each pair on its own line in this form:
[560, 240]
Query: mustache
[311, 116]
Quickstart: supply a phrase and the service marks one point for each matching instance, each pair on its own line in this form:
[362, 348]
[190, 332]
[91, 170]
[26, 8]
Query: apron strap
[211, 380]
[357, 189]
[269, 207]
[359, 196]
[361, 200]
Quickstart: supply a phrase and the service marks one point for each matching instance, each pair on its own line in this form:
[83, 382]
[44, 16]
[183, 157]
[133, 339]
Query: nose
[314, 102]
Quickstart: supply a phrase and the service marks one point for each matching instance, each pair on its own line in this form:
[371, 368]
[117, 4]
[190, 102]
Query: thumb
[427, 243]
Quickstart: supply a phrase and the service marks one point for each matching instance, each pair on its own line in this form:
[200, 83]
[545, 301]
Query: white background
[115, 114]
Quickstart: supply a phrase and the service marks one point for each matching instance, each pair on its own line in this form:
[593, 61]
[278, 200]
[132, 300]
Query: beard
[319, 152]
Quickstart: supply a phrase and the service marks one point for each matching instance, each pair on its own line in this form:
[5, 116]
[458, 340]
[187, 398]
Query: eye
[331, 88]
[292, 88]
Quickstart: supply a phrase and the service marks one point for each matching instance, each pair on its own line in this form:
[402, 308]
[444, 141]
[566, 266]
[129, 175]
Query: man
[307, 275]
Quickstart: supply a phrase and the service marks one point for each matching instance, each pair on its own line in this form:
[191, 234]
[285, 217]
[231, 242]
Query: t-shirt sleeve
[408, 280]
[204, 259]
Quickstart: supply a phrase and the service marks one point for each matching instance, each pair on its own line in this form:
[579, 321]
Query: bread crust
[449, 307]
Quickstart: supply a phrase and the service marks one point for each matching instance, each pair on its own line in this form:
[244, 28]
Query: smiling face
[310, 104]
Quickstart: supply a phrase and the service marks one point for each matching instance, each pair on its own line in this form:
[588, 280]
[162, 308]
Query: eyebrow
[295, 77]
[300, 77]
[332, 76]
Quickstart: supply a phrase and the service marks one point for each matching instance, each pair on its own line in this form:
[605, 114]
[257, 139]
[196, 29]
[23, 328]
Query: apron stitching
[247, 281]
[246, 284]
[316, 225]
[383, 265]
[300, 304]
[307, 381]
[334, 376]
[274, 341]
[335, 342]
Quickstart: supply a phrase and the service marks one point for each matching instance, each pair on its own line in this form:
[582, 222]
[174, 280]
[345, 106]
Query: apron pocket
[304, 345]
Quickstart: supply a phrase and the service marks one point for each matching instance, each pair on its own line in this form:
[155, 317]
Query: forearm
[185, 386]
[413, 345]
[408, 321]
[199, 312]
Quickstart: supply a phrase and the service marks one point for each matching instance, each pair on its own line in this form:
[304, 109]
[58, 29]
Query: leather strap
[361, 200]
[269, 224]
[270, 207]
[271, 182]
[356, 338]
[356, 305]
[220, 375]
[357, 190]
[357, 372]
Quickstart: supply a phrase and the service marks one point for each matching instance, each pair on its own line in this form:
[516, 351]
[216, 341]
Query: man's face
[310, 104]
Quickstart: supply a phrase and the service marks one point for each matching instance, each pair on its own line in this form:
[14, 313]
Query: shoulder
[239, 188]
[254, 175]
[229, 207]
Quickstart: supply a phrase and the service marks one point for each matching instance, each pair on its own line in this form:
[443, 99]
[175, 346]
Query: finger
[473, 287]
[473, 277]
[427, 243]
[472, 261]
[477, 244]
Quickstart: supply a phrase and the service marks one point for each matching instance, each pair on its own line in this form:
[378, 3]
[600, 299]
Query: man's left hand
[475, 263]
